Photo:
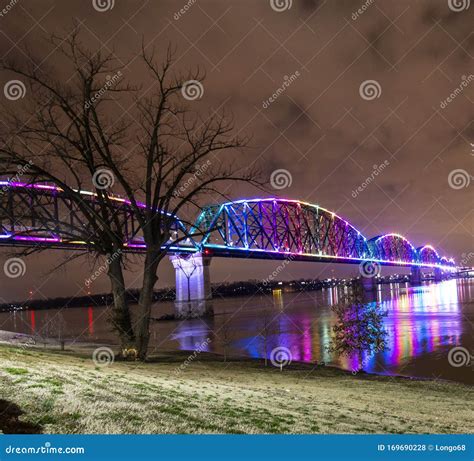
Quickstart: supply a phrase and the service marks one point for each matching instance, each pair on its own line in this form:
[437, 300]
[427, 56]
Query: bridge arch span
[428, 255]
[281, 227]
[393, 248]
[444, 261]
[44, 215]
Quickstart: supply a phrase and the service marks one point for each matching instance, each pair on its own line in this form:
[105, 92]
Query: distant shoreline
[226, 290]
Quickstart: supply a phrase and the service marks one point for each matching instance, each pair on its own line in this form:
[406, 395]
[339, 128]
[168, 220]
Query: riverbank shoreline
[67, 392]
[85, 350]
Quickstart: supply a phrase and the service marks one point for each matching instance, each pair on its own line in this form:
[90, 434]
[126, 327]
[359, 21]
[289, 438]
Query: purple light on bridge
[82, 192]
[37, 239]
[28, 186]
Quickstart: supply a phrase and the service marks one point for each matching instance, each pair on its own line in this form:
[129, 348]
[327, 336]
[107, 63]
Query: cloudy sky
[367, 83]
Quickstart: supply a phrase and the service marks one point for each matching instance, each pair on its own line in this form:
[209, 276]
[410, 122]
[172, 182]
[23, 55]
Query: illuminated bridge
[43, 215]
[280, 229]
[270, 228]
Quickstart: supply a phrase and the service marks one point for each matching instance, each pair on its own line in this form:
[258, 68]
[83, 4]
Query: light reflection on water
[420, 321]
[423, 323]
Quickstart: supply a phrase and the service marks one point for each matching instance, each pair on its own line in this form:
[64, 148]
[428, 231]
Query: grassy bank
[65, 393]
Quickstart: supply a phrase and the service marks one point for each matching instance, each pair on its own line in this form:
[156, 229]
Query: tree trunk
[152, 260]
[121, 318]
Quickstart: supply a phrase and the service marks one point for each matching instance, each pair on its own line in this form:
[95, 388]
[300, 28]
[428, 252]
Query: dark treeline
[219, 290]
[104, 299]
[222, 290]
[265, 287]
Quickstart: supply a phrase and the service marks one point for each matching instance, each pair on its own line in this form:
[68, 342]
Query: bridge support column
[193, 286]
[415, 277]
[369, 283]
[438, 275]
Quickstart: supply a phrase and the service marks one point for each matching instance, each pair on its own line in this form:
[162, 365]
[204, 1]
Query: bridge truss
[44, 215]
[282, 229]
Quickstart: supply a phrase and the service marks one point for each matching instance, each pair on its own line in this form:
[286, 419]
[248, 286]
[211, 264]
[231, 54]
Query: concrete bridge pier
[415, 277]
[369, 284]
[438, 275]
[193, 286]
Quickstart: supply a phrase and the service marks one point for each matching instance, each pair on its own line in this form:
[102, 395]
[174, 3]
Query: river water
[423, 324]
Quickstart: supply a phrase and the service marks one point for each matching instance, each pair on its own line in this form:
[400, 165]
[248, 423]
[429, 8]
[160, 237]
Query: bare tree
[76, 124]
[54, 137]
[177, 143]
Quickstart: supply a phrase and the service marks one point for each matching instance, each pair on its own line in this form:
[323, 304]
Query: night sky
[324, 129]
